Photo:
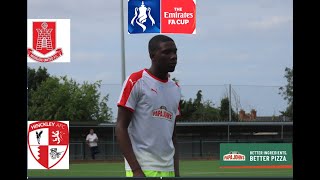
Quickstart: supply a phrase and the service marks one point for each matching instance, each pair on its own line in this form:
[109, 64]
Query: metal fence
[187, 149]
[80, 151]
[266, 100]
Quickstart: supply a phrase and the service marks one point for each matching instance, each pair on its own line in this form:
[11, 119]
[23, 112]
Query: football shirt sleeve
[129, 95]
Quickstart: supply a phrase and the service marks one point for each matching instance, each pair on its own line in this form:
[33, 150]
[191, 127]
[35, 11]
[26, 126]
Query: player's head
[91, 131]
[163, 53]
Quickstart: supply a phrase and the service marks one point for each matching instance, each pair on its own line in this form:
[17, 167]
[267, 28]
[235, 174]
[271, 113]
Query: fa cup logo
[142, 17]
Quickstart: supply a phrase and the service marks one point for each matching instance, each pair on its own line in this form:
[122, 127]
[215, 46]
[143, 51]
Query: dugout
[196, 139]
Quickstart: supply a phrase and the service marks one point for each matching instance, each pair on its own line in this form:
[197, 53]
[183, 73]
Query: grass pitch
[188, 168]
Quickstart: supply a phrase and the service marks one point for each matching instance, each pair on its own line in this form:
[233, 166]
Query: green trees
[65, 99]
[35, 78]
[287, 92]
[224, 110]
[198, 110]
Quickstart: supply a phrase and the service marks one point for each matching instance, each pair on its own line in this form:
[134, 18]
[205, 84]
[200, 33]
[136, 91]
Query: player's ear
[151, 55]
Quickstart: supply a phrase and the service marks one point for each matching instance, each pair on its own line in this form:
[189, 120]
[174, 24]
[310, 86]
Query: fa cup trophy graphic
[142, 17]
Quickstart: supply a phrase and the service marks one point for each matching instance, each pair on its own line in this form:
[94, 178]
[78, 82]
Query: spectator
[92, 141]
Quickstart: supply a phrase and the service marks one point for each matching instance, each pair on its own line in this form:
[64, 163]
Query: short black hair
[155, 41]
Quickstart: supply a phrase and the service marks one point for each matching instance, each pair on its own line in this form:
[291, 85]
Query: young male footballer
[147, 111]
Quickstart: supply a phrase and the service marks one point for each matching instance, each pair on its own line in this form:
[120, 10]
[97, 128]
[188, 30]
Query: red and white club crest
[48, 40]
[44, 36]
[48, 142]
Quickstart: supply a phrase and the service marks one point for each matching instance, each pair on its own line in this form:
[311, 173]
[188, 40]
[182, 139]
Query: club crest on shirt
[162, 113]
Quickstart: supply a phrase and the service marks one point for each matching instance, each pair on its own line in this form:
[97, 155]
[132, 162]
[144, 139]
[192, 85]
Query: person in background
[92, 142]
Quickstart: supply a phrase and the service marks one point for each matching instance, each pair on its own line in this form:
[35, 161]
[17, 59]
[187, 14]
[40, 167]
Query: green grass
[190, 168]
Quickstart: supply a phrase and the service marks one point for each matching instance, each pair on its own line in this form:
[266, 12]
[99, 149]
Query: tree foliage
[224, 110]
[35, 78]
[198, 109]
[287, 92]
[65, 99]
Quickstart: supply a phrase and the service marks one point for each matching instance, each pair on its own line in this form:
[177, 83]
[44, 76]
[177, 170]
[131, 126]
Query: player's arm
[176, 154]
[87, 140]
[123, 121]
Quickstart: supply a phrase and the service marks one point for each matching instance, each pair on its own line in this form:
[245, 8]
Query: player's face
[166, 57]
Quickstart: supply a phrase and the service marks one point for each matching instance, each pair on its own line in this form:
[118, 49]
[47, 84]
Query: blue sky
[245, 43]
